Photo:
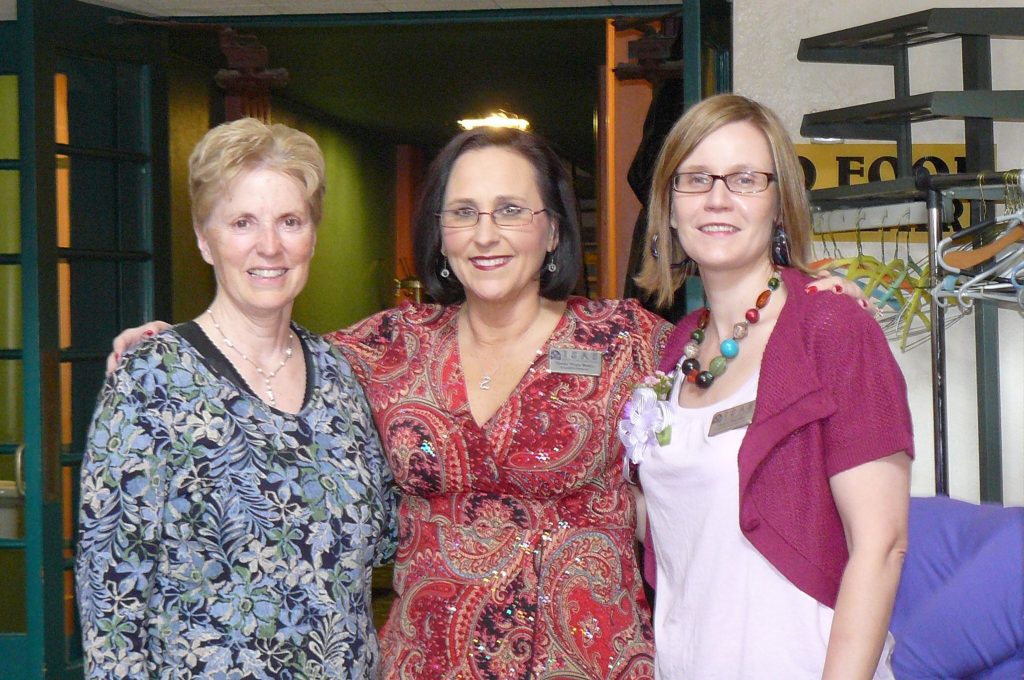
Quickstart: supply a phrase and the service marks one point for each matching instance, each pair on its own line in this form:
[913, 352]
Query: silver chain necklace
[485, 381]
[488, 376]
[267, 377]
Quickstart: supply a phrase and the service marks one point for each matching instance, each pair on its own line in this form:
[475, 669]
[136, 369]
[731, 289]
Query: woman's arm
[641, 511]
[119, 532]
[872, 500]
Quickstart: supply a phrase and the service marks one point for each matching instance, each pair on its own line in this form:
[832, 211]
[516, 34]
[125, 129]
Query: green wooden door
[82, 173]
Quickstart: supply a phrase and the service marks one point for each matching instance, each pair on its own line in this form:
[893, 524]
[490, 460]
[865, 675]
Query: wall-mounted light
[496, 119]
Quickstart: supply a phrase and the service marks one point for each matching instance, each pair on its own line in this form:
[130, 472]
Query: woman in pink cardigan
[775, 456]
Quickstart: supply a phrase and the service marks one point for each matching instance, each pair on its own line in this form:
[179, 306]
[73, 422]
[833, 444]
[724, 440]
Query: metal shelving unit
[888, 42]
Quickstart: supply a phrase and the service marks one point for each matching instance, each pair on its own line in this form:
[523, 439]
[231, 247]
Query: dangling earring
[551, 266]
[780, 247]
[654, 254]
[444, 269]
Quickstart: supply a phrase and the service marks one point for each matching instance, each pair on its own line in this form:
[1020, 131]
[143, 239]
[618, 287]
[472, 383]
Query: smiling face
[720, 230]
[259, 238]
[496, 264]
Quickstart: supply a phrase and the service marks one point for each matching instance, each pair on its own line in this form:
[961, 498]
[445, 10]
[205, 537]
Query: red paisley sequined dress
[515, 555]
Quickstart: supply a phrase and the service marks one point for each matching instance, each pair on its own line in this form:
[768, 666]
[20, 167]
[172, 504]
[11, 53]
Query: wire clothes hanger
[997, 282]
[955, 259]
[991, 271]
[959, 260]
[1000, 280]
[910, 289]
[1017, 281]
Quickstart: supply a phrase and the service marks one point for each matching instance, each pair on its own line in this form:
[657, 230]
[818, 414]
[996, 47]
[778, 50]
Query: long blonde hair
[657, 276]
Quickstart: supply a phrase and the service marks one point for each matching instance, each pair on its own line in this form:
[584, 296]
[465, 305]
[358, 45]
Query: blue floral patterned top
[221, 538]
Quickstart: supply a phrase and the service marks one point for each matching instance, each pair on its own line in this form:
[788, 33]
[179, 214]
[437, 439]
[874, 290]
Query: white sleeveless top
[722, 610]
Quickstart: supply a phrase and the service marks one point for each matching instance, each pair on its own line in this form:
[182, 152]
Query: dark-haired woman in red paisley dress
[498, 410]
[516, 535]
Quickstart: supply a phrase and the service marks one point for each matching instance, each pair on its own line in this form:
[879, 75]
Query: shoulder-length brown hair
[656, 274]
[555, 185]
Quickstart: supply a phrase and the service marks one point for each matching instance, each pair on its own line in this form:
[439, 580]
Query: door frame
[44, 31]
[612, 271]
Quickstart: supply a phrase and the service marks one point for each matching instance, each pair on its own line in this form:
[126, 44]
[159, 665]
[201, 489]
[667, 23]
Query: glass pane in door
[9, 109]
[12, 526]
[103, 211]
[10, 218]
[12, 600]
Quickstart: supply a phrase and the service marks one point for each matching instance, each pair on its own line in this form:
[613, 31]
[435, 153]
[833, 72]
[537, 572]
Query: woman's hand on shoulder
[829, 282]
[130, 337]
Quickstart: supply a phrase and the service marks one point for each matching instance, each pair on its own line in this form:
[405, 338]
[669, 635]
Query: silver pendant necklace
[488, 376]
[485, 382]
[267, 377]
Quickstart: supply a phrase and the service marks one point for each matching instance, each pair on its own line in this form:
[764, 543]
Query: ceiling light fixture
[497, 119]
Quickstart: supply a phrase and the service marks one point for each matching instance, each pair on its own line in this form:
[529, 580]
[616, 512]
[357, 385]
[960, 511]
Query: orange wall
[408, 173]
[623, 110]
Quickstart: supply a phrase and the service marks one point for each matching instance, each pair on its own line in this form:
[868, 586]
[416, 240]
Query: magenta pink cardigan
[830, 397]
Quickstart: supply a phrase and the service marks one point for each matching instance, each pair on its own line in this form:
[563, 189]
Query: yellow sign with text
[839, 165]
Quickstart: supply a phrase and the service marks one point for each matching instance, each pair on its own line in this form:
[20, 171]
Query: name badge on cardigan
[731, 418]
[574, 361]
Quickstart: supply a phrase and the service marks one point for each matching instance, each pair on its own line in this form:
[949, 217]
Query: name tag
[731, 418]
[574, 361]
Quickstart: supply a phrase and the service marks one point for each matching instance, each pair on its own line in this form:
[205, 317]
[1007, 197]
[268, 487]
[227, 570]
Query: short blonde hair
[247, 144]
[656, 274]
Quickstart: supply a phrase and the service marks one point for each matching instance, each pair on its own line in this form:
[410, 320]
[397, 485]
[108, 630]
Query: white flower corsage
[645, 423]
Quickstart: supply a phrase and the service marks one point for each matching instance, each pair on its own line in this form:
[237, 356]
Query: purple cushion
[959, 612]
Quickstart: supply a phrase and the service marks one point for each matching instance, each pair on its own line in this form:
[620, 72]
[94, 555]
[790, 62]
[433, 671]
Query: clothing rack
[931, 196]
[986, 343]
[888, 42]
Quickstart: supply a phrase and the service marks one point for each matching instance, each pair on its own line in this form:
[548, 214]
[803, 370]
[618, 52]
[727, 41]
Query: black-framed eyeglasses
[746, 182]
[506, 216]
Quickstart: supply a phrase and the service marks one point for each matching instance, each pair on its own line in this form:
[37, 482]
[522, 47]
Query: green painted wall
[190, 92]
[351, 275]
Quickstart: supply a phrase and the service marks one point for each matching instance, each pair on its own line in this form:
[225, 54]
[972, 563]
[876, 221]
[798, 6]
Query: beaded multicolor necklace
[730, 347]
